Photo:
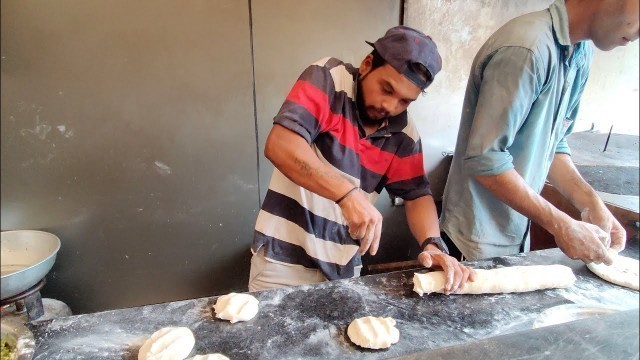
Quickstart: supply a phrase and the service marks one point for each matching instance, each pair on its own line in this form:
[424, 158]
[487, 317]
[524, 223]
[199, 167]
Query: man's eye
[387, 91]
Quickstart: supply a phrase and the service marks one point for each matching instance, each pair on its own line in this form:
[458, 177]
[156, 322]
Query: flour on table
[501, 280]
[236, 307]
[624, 271]
[373, 332]
[209, 357]
[170, 343]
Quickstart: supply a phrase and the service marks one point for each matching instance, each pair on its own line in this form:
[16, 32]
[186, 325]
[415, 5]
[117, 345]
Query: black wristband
[437, 241]
[347, 194]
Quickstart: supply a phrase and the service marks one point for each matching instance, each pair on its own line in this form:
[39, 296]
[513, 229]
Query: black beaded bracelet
[347, 194]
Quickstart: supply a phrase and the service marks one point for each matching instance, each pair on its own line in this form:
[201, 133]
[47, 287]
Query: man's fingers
[377, 232]
[606, 258]
[425, 259]
[603, 237]
[472, 275]
[450, 273]
[368, 239]
[365, 243]
[618, 238]
[599, 254]
[465, 275]
[457, 277]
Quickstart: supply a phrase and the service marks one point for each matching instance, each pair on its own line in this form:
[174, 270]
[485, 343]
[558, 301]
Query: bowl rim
[52, 254]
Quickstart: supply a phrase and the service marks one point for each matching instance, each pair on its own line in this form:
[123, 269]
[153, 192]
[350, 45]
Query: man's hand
[456, 274]
[364, 221]
[605, 221]
[564, 176]
[584, 241]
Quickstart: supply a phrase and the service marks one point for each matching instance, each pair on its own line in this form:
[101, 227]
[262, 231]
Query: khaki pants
[266, 274]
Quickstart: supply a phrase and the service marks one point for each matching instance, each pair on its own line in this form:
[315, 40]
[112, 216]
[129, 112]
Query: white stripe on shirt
[287, 231]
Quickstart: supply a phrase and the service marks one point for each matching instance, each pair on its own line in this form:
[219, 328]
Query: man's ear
[366, 65]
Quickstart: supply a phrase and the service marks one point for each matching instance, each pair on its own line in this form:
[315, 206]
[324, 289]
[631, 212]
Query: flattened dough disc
[624, 271]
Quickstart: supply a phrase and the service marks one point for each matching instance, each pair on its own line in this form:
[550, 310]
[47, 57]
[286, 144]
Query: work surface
[311, 321]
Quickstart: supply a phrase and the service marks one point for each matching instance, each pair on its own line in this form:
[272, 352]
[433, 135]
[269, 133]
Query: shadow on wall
[438, 176]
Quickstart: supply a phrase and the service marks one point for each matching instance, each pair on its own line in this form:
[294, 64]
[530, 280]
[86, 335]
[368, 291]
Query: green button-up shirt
[521, 100]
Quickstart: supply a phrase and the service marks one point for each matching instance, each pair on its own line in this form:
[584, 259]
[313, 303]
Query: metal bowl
[26, 257]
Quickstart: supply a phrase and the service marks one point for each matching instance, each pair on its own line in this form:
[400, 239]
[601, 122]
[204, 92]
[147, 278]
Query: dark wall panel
[128, 131]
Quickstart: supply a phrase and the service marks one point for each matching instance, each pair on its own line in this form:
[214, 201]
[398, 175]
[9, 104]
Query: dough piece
[170, 343]
[373, 332]
[236, 307]
[501, 280]
[624, 270]
[215, 356]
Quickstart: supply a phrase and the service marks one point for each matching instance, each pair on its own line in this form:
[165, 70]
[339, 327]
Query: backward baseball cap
[402, 46]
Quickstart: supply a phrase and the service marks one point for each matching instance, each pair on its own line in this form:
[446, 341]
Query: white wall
[460, 27]
[611, 96]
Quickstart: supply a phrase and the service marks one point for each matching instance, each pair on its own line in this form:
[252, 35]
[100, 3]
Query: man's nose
[390, 105]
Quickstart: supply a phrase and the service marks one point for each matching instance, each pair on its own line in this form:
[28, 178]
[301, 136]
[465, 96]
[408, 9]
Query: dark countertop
[311, 321]
[613, 336]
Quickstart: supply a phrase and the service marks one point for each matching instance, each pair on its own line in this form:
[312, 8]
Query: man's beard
[363, 110]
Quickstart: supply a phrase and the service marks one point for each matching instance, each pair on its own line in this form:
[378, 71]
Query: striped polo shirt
[296, 226]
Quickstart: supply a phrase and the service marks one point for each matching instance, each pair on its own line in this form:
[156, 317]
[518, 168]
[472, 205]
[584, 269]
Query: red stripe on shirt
[406, 168]
[371, 157]
[314, 100]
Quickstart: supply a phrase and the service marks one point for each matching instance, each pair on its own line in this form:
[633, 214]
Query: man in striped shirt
[341, 136]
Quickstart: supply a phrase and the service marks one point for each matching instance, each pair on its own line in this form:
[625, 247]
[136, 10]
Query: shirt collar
[398, 122]
[560, 21]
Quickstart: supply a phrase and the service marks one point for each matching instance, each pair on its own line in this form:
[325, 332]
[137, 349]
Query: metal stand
[29, 300]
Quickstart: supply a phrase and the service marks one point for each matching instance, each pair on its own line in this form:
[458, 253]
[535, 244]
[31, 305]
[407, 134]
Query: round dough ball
[170, 343]
[236, 307]
[373, 332]
[215, 356]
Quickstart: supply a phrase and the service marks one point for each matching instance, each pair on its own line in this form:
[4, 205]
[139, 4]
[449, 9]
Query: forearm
[293, 156]
[422, 218]
[564, 176]
[510, 188]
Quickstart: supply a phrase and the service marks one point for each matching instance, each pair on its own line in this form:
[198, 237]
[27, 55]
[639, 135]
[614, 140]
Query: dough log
[501, 280]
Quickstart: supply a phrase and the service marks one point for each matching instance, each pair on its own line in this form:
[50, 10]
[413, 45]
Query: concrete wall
[611, 96]
[460, 27]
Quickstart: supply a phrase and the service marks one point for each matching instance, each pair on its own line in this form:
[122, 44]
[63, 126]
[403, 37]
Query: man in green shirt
[521, 101]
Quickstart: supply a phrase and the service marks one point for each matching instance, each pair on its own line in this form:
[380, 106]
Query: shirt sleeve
[307, 108]
[406, 177]
[510, 80]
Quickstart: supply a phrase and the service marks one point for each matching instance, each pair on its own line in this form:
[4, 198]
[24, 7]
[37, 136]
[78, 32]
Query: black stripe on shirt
[285, 252]
[320, 227]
